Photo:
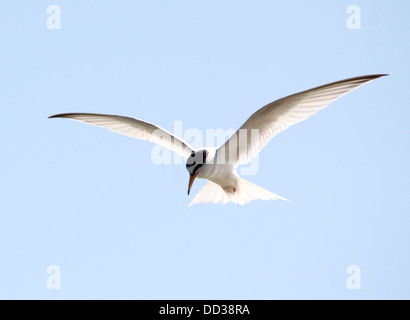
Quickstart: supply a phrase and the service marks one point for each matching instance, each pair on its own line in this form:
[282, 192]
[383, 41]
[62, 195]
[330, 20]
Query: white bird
[218, 165]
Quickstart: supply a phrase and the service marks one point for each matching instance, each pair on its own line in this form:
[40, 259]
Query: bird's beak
[191, 181]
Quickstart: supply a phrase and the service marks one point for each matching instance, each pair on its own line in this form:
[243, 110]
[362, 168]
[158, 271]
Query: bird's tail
[245, 193]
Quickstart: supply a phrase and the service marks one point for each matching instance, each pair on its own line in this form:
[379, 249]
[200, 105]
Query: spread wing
[133, 128]
[281, 114]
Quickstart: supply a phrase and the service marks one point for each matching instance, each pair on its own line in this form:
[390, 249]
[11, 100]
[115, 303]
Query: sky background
[118, 226]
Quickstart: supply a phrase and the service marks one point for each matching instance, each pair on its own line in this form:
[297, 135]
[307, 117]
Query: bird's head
[194, 165]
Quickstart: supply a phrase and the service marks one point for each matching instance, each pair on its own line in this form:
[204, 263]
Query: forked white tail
[245, 193]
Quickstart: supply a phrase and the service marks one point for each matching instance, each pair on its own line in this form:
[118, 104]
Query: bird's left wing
[280, 115]
[133, 128]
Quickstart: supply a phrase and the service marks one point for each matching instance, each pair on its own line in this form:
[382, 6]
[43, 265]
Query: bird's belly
[222, 174]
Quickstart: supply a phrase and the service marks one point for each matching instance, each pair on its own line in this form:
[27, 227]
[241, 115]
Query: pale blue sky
[92, 202]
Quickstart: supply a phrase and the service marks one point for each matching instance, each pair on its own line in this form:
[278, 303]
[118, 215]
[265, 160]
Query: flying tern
[218, 165]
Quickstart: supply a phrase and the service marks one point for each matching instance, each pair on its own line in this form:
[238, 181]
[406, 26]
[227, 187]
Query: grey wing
[279, 115]
[133, 128]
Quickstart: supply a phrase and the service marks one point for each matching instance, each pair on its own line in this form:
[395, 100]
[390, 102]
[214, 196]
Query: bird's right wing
[280, 115]
[133, 128]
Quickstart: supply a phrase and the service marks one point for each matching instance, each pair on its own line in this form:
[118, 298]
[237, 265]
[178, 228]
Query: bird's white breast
[223, 174]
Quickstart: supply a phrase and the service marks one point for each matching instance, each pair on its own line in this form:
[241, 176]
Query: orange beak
[191, 181]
